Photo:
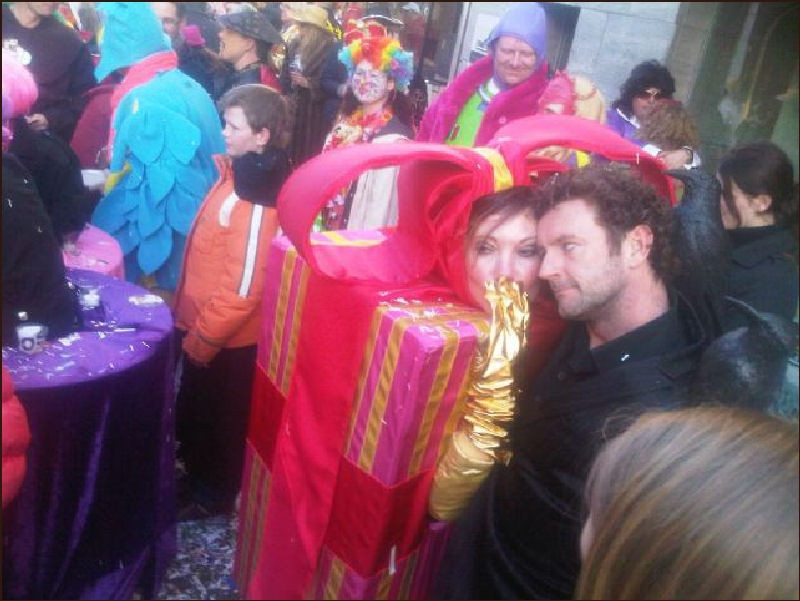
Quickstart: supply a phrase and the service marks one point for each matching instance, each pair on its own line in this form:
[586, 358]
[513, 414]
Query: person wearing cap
[378, 12]
[503, 86]
[245, 43]
[301, 80]
[413, 33]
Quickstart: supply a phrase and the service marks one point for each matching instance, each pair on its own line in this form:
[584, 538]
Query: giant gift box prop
[413, 373]
[362, 366]
[357, 379]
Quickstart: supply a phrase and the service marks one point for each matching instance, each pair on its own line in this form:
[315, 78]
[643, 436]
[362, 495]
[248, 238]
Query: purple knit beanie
[524, 21]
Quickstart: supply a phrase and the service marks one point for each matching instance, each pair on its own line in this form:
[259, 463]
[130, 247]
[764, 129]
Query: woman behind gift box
[217, 304]
[500, 243]
[376, 110]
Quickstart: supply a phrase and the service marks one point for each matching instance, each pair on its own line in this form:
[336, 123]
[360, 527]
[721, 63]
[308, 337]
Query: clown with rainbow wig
[375, 110]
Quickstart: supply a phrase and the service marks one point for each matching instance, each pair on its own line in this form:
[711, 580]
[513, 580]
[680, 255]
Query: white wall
[613, 37]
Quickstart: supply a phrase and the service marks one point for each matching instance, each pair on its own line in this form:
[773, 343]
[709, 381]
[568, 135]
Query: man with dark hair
[632, 345]
[172, 16]
[194, 59]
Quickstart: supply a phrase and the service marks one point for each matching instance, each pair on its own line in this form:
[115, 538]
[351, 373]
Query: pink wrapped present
[412, 373]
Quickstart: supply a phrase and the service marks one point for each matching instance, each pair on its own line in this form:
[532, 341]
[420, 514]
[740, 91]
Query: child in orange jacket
[218, 299]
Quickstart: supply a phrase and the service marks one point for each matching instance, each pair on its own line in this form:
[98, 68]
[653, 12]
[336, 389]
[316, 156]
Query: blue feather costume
[167, 130]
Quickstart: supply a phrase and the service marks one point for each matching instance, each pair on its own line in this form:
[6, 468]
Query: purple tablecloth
[95, 517]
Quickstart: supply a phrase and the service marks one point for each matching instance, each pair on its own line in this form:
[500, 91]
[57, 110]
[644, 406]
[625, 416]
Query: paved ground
[203, 567]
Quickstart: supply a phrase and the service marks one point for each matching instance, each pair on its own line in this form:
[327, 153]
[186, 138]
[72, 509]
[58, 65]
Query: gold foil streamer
[482, 437]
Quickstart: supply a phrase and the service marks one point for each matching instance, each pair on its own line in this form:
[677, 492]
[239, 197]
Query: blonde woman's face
[503, 248]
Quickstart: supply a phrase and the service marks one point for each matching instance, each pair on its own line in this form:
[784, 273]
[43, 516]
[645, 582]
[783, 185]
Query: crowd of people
[621, 457]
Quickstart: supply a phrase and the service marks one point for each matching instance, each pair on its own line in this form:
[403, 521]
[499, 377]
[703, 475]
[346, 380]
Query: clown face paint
[369, 84]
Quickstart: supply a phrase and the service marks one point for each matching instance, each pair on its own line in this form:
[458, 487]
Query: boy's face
[239, 136]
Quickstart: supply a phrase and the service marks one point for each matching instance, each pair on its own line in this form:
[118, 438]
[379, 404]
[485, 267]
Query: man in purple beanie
[505, 85]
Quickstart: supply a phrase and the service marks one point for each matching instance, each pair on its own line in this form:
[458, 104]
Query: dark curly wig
[649, 74]
[622, 200]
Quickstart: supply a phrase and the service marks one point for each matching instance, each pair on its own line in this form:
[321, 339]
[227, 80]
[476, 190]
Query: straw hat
[311, 14]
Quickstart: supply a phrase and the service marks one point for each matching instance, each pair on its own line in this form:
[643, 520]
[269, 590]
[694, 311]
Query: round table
[95, 250]
[95, 517]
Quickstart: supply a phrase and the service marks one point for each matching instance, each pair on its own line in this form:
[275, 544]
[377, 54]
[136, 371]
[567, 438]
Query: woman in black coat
[33, 269]
[759, 212]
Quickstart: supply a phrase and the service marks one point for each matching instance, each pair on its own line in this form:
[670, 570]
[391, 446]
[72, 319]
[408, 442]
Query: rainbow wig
[383, 53]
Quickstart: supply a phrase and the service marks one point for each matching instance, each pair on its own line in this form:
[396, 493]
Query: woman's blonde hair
[695, 504]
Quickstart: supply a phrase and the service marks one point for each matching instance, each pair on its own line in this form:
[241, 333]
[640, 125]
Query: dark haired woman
[759, 212]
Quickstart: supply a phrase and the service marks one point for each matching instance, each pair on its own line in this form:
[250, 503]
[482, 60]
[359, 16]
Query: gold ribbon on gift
[503, 180]
[482, 438]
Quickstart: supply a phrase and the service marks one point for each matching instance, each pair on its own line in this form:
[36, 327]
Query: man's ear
[637, 245]
[762, 202]
[262, 137]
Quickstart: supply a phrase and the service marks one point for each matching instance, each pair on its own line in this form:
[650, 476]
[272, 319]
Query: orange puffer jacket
[218, 299]
[16, 438]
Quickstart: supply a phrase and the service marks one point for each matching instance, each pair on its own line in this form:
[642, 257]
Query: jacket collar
[685, 360]
[223, 163]
[776, 241]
